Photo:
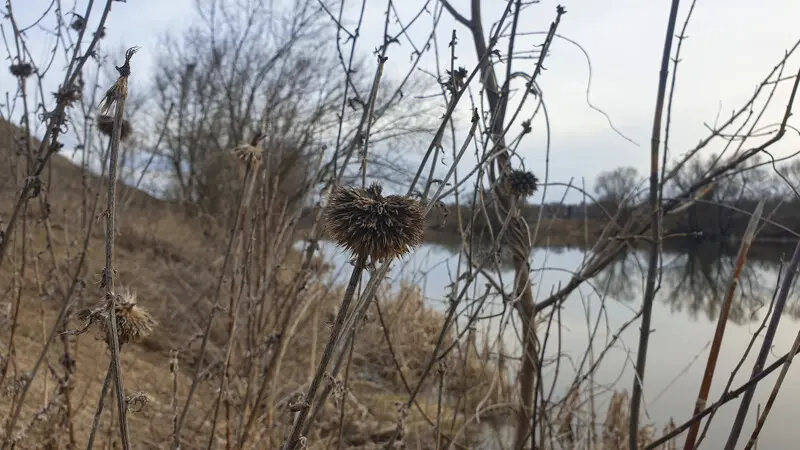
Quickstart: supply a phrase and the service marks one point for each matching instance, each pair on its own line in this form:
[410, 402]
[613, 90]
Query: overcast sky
[732, 45]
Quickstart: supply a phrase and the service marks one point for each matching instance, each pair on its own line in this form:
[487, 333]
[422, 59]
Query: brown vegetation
[170, 260]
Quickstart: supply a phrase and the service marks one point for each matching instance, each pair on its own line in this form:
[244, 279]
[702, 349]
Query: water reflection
[694, 282]
[695, 276]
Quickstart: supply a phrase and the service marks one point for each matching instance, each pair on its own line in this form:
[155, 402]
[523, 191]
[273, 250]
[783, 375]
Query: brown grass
[171, 259]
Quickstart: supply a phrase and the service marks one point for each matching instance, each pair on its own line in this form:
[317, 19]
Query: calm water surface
[693, 285]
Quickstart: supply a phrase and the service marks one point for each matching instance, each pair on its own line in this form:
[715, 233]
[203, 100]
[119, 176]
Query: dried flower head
[133, 322]
[137, 400]
[78, 22]
[369, 224]
[249, 154]
[119, 89]
[521, 183]
[68, 96]
[22, 70]
[105, 124]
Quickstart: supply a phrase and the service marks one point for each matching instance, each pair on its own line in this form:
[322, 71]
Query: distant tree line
[719, 212]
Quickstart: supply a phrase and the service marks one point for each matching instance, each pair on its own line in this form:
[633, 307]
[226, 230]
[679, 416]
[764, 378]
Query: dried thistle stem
[327, 354]
[100, 405]
[116, 96]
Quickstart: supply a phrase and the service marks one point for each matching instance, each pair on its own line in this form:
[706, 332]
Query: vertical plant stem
[344, 399]
[438, 429]
[118, 94]
[652, 269]
[100, 406]
[327, 354]
[722, 321]
[769, 336]
[173, 369]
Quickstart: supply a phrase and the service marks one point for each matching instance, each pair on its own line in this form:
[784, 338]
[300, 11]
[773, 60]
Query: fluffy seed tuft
[23, 70]
[249, 154]
[521, 183]
[133, 322]
[368, 224]
[105, 124]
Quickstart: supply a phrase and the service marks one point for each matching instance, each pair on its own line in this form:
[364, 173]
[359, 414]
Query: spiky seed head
[78, 22]
[23, 70]
[105, 124]
[133, 322]
[521, 183]
[249, 154]
[68, 96]
[368, 224]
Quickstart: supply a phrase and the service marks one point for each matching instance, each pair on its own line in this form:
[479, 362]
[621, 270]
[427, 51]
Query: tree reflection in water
[695, 277]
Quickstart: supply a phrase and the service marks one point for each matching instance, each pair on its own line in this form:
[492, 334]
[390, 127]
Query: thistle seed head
[68, 96]
[133, 322]
[22, 70]
[521, 183]
[368, 224]
[105, 124]
[249, 154]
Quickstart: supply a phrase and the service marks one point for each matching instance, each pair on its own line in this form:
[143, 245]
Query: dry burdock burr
[370, 225]
[133, 322]
[521, 183]
[105, 124]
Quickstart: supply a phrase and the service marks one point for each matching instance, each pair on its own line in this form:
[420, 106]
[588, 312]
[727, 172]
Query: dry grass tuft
[366, 223]
[133, 322]
[521, 183]
[105, 124]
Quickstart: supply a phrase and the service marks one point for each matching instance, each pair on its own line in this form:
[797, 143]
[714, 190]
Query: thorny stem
[57, 116]
[773, 395]
[210, 322]
[120, 94]
[100, 405]
[725, 398]
[56, 325]
[655, 229]
[722, 321]
[233, 312]
[766, 346]
[327, 354]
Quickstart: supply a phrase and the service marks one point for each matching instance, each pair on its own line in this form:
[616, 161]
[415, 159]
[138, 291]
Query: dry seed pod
[133, 322]
[368, 224]
[23, 70]
[105, 124]
[521, 183]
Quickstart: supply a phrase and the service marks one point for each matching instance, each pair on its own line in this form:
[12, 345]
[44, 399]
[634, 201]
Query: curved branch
[456, 15]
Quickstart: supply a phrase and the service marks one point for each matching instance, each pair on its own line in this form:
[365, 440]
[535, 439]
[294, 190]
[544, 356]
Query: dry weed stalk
[655, 232]
[116, 96]
[722, 321]
[368, 225]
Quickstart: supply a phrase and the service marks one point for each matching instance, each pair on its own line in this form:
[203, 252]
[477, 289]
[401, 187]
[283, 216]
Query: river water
[693, 285]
